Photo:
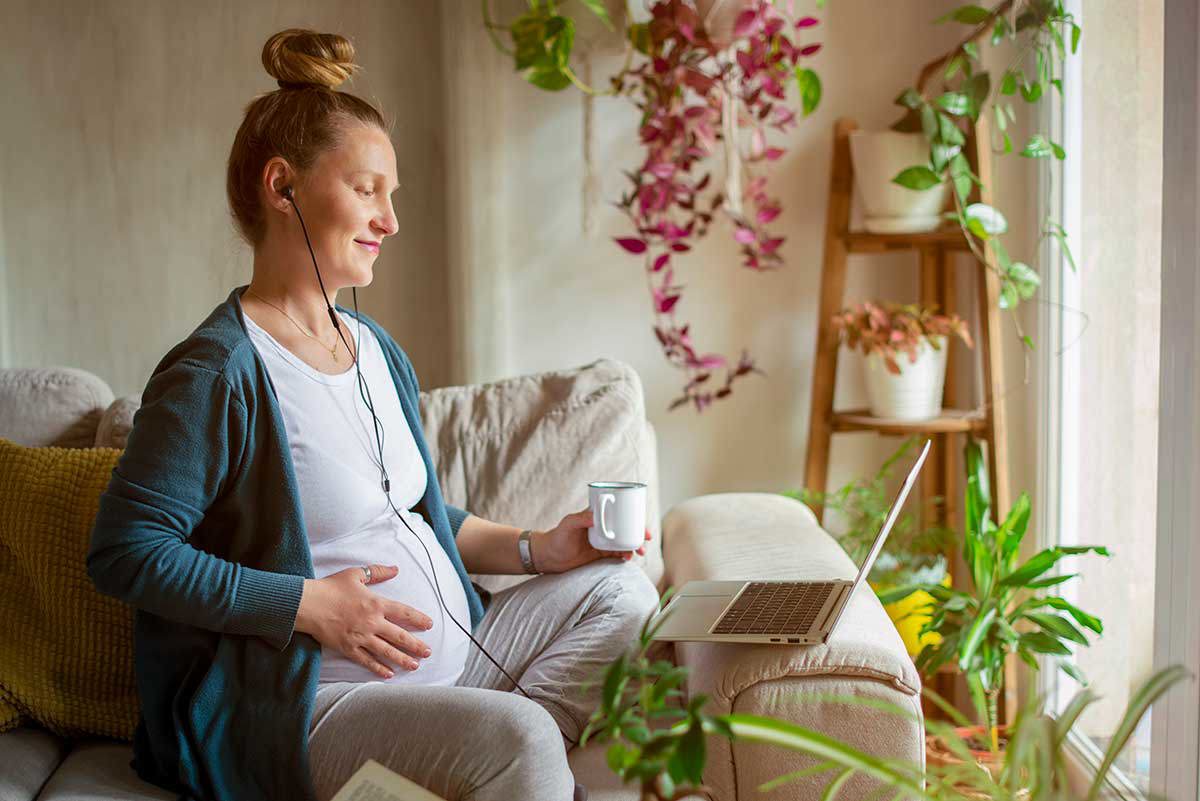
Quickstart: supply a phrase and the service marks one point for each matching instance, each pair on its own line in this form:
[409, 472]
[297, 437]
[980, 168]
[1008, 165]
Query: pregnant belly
[382, 544]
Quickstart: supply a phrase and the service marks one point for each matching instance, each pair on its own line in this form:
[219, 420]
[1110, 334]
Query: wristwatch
[526, 550]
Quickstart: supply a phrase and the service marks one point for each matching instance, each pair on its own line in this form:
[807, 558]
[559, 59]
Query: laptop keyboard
[775, 607]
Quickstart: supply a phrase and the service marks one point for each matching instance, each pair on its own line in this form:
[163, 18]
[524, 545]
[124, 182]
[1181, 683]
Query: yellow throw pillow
[66, 651]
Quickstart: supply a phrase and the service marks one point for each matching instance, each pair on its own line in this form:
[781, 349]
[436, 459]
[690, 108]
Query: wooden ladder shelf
[935, 251]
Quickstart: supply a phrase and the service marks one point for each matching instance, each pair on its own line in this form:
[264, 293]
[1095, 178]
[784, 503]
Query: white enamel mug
[618, 515]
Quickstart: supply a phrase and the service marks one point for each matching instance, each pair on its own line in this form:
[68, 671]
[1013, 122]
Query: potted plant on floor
[913, 554]
[1005, 611]
[905, 355]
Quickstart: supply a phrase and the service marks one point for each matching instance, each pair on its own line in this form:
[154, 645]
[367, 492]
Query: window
[1100, 444]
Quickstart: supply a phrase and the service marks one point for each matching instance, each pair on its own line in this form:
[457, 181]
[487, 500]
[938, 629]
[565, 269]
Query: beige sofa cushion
[51, 406]
[521, 451]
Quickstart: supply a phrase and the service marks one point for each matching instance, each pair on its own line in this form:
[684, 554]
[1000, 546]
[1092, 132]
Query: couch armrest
[769, 536]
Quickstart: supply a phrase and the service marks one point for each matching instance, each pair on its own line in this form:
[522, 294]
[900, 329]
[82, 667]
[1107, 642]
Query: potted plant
[901, 389]
[912, 554]
[1004, 611]
[710, 80]
[890, 207]
[657, 739]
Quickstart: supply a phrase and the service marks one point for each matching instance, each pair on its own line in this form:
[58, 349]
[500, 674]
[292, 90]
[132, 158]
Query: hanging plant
[1041, 28]
[695, 89]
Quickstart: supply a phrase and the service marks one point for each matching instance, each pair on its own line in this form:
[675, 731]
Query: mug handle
[604, 499]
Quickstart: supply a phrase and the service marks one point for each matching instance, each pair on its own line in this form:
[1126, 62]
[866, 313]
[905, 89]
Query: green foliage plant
[1006, 608]
[1043, 31]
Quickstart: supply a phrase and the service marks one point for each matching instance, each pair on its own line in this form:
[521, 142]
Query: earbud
[287, 192]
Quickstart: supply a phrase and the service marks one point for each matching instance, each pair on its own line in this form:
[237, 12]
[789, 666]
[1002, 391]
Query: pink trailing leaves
[679, 89]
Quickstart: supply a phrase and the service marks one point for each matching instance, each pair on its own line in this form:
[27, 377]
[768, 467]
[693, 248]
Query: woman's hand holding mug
[341, 613]
[566, 546]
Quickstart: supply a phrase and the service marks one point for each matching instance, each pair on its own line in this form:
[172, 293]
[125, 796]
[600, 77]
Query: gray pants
[482, 740]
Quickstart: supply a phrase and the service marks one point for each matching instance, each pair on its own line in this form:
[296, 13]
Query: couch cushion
[51, 405]
[117, 421]
[522, 450]
[66, 651]
[100, 770]
[758, 535]
[30, 756]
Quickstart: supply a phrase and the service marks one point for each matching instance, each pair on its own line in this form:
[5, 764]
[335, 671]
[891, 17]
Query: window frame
[1175, 725]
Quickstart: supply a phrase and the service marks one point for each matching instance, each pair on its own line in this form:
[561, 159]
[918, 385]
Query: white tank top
[346, 513]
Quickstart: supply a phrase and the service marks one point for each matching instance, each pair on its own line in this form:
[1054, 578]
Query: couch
[513, 451]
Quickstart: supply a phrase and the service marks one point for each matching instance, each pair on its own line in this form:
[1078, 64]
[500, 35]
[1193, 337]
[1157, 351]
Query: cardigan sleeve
[187, 442]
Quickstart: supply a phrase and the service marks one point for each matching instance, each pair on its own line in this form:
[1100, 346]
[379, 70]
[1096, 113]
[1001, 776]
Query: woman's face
[345, 199]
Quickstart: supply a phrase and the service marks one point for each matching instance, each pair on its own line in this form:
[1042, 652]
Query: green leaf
[1059, 153]
[955, 64]
[834, 787]
[550, 78]
[942, 154]
[998, 30]
[960, 173]
[598, 8]
[948, 131]
[1143, 697]
[1008, 85]
[789, 735]
[691, 753]
[1007, 144]
[810, 89]
[1008, 296]
[909, 98]
[1072, 671]
[614, 682]
[956, 103]
[1055, 625]
[976, 88]
[1037, 147]
[1043, 643]
[971, 49]
[615, 757]
[990, 220]
[1024, 279]
[1032, 92]
[929, 123]
[918, 178]
[1001, 120]
[1081, 617]
[1050, 582]
[1076, 32]
[968, 15]
[975, 635]
[639, 37]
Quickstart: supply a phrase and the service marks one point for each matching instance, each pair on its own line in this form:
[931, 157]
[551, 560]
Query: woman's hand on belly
[368, 629]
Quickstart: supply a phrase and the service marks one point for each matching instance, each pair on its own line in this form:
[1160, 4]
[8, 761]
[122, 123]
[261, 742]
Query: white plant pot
[889, 208]
[915, 394]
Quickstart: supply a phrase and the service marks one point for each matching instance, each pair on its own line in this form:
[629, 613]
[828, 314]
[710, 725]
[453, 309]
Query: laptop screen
[893, 513]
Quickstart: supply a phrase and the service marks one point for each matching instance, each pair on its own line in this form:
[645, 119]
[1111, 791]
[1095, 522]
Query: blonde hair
[303, 118]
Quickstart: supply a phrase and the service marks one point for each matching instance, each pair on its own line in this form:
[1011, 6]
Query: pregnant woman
[302, 591]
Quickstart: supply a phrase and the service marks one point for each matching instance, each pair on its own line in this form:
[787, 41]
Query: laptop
[784, 612]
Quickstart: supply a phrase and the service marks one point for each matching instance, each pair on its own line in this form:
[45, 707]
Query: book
[374, 782]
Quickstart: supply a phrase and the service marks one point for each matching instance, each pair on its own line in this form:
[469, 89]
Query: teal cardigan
[201, 530]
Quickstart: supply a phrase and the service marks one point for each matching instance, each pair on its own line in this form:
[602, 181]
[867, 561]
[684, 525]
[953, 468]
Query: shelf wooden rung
[863, 242]
[950, 421]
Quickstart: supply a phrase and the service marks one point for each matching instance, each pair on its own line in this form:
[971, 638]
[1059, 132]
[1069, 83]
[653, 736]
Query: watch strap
[525, 549]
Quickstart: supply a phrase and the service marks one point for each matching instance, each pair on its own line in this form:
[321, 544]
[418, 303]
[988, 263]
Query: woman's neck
[305, 304]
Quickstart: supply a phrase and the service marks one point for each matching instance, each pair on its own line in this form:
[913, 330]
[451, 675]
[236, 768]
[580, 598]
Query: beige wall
[118, 119]
[114, 238]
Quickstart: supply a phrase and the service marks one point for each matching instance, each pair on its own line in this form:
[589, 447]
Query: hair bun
[298, 58]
